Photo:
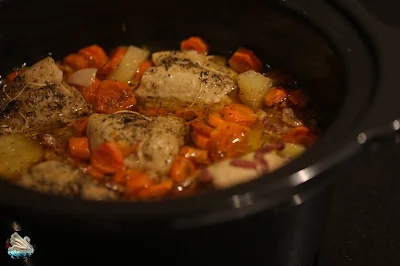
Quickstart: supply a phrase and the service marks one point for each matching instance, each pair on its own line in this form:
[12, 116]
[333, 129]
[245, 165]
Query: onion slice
[83, 77]
[244, 164]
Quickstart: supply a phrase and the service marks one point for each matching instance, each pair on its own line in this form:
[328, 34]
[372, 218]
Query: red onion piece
[259, 154]
[83, 77]
[244, 164]
[259, 158]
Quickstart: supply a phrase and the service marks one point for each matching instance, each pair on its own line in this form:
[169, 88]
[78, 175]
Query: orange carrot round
[275, 96]
[89, 93]
[215, 119]
[194, 43]
[134, 180]
[157, 190]
[79, 148]
[198, 155]
[95, 55]
[144, 65]
[76, 61]
[113, 96]
[201, 127]
[228, 140]
[113, 62]
[200, 140]
[181, 169]
[238, 113]
[107, 158]
[243, 60]
[95, 173]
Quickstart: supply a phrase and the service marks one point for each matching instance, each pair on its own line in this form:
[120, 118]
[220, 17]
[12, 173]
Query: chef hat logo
[19, 247]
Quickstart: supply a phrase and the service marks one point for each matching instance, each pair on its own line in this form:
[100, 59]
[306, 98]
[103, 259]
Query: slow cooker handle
[383, 119]
[382, 122]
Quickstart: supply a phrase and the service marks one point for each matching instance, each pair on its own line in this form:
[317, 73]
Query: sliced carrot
[186, 114]
[157, 190]
[201, 127]
[243, 60]
[275, 96]
[127, 148]
[298, 98]
[120, 178]
[12, 76]
[198, 155]
[181, 169]
[194, 43]
[113, 62]
[135, 180]
[200, 140]
[228, 140]
[299, 135]
[76, 61]
[79, 148]
[95, 173]
[108, 158]
[79, 124]
[144, 65]
[238, 113]
[215, 119]
[89, 93]
[95, 55]
[113, 96]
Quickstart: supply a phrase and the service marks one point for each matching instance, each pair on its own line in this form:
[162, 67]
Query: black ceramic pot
[345, 61]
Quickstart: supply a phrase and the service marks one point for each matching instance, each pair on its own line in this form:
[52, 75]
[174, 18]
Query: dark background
[364, 223]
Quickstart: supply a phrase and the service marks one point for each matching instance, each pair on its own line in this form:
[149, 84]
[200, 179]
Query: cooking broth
[134, 124]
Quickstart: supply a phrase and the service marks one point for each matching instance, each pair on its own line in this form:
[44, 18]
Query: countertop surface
[364, 223]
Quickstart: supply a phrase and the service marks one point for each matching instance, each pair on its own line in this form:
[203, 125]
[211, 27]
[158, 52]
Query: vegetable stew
[134, 124]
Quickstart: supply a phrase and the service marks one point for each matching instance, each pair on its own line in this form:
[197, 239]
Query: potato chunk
[17, 154]
[253, 88]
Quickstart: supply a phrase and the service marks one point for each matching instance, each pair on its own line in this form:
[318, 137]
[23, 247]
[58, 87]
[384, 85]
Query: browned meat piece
[55, 177]
[160, 138]
[186, 78]
[38, 97]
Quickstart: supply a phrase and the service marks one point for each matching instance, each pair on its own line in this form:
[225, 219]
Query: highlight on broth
[133, 124]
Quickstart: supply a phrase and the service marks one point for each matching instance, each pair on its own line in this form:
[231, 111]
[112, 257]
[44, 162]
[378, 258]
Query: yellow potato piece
[253, 88]
[17, 154]
[129, 63]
